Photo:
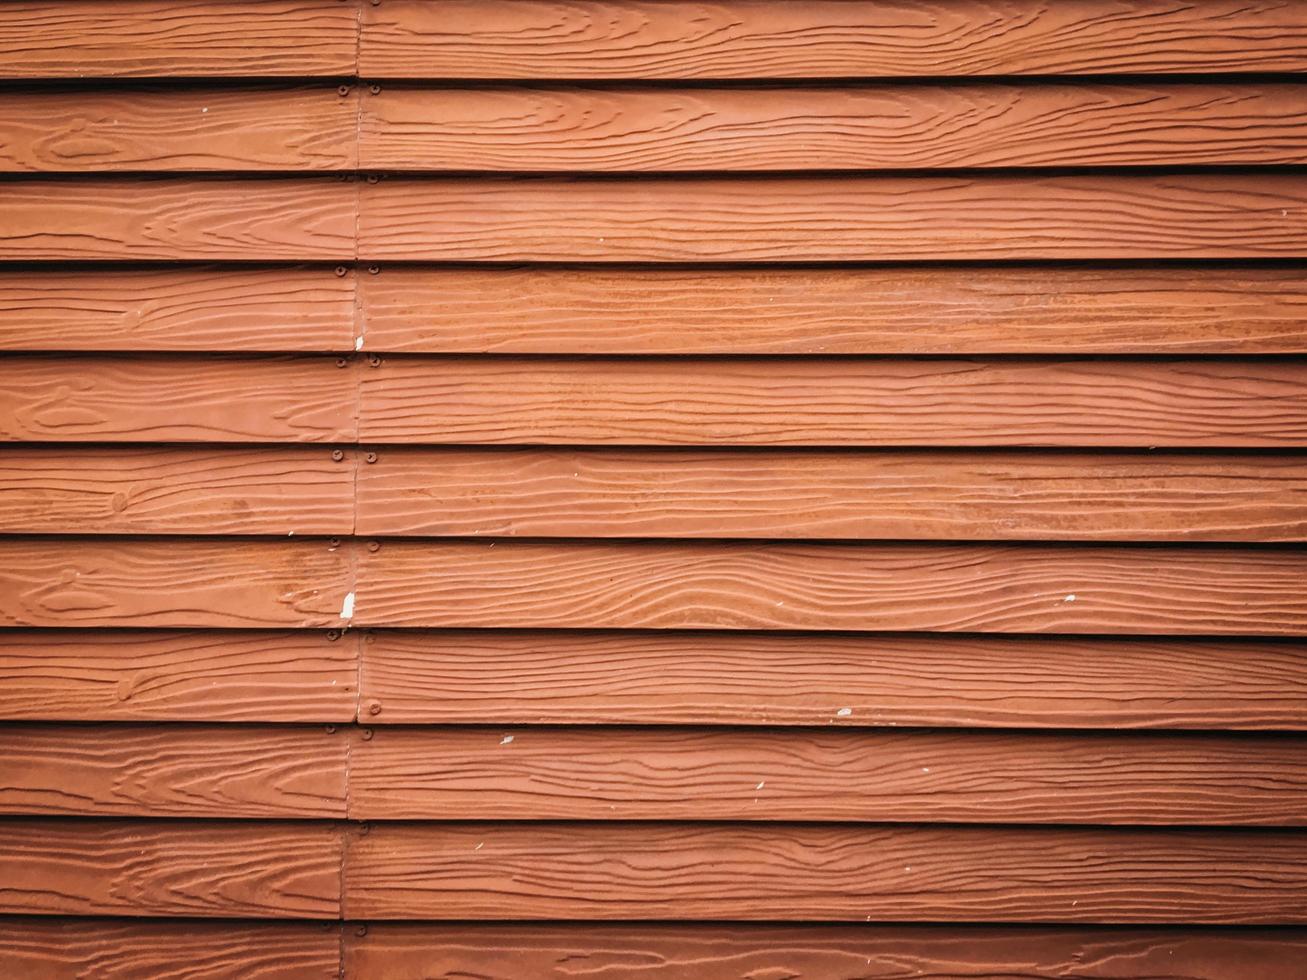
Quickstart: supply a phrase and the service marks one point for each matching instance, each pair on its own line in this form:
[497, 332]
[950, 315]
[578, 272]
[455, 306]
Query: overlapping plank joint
[831, 474]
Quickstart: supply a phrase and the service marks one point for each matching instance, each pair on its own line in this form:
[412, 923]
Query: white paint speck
[1070, 598]
[506, 740]
[844, 712]
[761, 784]
[204, 110]
[925, 768]
[358, 343]
[479, 846]
[347, 607]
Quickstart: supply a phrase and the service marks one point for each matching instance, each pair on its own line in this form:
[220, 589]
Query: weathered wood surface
[176, 770]
[748, 952]
[183, 129]
[774, 39]
[62, 948]
[820, 494]
[166, 38]
[806, 871]
[204, 308]
[813, 679]
[868, 128]
[724, 585]
[183, 582]
[125, 490]
[175, 399]
[836, 402]
[1176, 216]
[937, 310]
[195, 868]
[162, 675]
[176, 218]
[630, 773]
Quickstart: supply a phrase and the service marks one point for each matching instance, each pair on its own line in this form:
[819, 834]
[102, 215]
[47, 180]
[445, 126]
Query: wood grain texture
[832, 402]
[196, 308]
[901, 127]
[64, 948]
[179, 770]
[163, 38]
[724, 585]
[807, 871]
[195, 868]
[189, 129]
[403, 951]
[1179, 216]
[58, 490]
[172, 582]
[178, 218]
[937, 310]
[816, 494]
[741, 774]
[838, 679]
[827, 38]
[173, 399]
[164, 675]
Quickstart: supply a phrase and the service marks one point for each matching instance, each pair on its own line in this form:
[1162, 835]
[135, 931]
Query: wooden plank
[187, 129]
[869, 310]
[51, 949]
[666, 951]
[164, 38]
[178, 218]
[194, 868]
[172, 582]
[835, 402]
[740, 774]
[181, 770]
[58, 490]
[195, 308]
[820, 494]
[1131, 216]
[174, 399]
[884, 127]
[834, 679]
[808, 871]
[825, 38]
[1189, 590]
[162, 675]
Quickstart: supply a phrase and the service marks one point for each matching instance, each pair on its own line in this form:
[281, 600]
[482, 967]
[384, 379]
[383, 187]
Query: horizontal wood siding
[866, 128]
[806, 872]
[180, 129]
[717, 490]
[61, 490]
[1210, 309]
[812, 494]
[182, 771]
[836, 402]
[165, 38]
[721, 585]
[714, 678]
[122, 948]
[809, 219]
[826, 38]
[125, 675]
[666, 951]
[204, 869]
[731, 774]
[188, 308]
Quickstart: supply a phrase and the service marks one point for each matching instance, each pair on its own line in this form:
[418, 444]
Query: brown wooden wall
[650, 488]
